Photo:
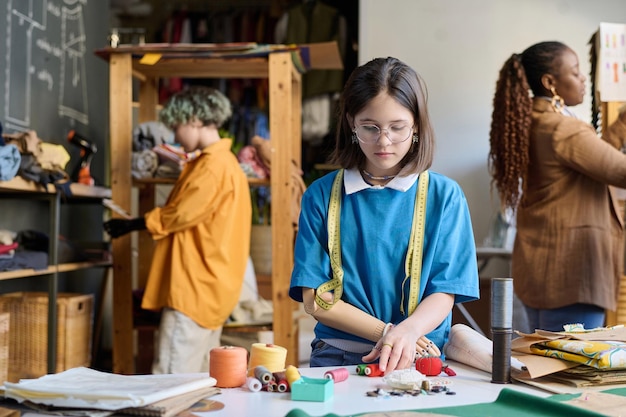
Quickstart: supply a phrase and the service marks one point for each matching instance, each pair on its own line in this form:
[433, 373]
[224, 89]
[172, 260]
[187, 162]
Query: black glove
[119, 227]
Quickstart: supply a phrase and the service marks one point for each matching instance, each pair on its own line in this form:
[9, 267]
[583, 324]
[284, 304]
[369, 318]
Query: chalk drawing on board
[29, 33]
[73, 74]
[22, 18]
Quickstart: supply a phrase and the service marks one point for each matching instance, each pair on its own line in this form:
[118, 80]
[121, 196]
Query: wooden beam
[120, 119]
[282, 129]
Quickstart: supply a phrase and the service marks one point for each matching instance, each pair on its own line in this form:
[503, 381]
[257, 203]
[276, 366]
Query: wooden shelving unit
[19, 187]
[285, 126]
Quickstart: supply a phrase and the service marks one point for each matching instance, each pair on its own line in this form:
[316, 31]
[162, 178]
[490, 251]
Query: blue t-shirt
[375, 227]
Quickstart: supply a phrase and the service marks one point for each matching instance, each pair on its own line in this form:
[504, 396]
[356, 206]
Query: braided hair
[509, 137]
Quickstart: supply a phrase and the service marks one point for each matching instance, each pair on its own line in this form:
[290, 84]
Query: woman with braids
[555, 171]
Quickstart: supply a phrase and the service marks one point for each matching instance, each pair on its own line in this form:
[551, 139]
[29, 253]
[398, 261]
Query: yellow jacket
[202, 239]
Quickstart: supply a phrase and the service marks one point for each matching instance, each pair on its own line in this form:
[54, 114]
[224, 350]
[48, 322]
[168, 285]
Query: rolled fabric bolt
[501, 329]
[253, 384]
[262, 374]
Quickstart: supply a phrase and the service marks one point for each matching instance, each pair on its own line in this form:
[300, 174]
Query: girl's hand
[423, 347]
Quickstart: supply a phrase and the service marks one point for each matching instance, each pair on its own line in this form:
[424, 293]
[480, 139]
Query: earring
[416, 138]
[354, 138]
[557, 101]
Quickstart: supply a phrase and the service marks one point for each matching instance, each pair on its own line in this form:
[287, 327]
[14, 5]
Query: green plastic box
[312, 389]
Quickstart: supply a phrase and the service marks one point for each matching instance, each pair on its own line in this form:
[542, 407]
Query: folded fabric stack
[594, 357]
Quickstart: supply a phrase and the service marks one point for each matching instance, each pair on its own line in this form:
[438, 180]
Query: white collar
[353, 182]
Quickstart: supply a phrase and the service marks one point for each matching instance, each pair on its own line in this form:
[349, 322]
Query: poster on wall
[611, 65]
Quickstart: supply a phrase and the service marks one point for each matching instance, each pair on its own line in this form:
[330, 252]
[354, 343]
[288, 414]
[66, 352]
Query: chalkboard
[51, 80]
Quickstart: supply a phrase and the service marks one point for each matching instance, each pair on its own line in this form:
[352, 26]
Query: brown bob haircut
[401, 82]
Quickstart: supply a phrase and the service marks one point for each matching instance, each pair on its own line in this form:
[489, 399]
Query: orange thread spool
[228, 365]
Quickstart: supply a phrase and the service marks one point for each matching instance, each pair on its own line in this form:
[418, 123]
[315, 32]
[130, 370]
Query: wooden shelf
[138, 182]
[21, 188]
[68, 267]
[285, 100]
[22, 185]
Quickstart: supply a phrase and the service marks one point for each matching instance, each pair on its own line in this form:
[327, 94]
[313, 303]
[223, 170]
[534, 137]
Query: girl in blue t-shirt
[384, 248]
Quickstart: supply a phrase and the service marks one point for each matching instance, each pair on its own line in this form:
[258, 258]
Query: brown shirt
[569, 243]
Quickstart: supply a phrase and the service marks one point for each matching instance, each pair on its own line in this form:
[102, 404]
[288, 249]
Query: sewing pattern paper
[611, 65]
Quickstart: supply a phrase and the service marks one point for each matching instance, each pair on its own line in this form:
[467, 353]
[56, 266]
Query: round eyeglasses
[371, 133]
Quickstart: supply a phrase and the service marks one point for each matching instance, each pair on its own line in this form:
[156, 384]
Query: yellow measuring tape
[413, 262]
[334, 247]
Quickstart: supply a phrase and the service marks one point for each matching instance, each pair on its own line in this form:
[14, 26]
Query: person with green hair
[202, 236]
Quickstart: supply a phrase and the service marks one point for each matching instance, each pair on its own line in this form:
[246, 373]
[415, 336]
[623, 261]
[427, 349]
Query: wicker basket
[4, 346]
[28, 338]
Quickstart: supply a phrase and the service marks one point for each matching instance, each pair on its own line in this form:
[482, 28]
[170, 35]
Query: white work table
[471, 386]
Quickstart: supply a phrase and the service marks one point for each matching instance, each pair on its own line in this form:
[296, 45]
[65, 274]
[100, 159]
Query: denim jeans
[323, 354]
[589, 315]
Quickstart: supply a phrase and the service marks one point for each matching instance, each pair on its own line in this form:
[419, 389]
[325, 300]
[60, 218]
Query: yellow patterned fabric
[600, 355]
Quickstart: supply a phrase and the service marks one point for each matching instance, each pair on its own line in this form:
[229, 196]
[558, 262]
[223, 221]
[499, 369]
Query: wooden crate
[28, 337]
[4, 346]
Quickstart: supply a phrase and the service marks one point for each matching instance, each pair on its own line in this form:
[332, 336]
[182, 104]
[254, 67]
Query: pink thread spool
[337, 375]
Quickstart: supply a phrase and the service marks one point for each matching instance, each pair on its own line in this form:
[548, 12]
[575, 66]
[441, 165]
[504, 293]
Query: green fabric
[309, 23]
[509, 403]
[512, 403]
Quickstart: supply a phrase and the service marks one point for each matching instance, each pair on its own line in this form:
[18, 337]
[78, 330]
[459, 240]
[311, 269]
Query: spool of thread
[271, 356]
[337, 375]
[360, 369]
[253, 384]
[282, 385]
[271, 386]
[281, 380]
[279, 375]
[262, 374]
[501, 329]
[292, 374]
[228, 365]
[373, 370]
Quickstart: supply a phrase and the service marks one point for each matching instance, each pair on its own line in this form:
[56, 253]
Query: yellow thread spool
[270, 356]
[292, 374]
